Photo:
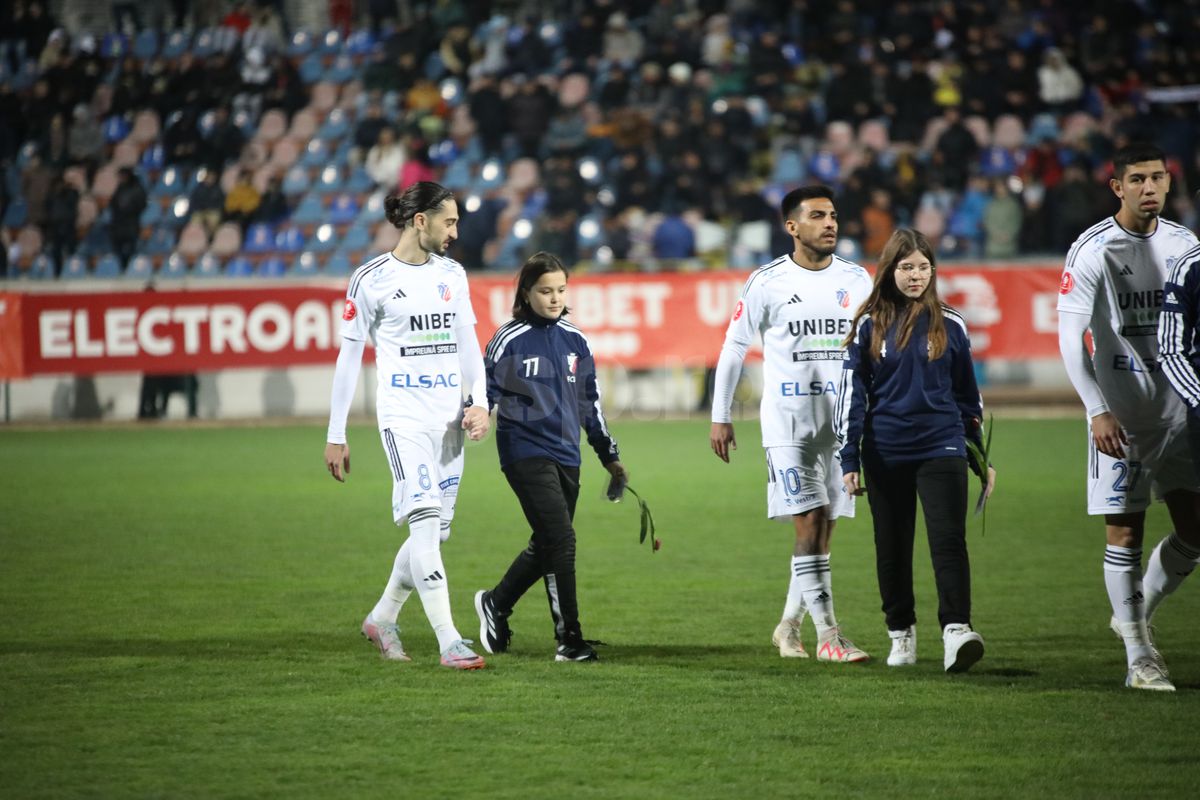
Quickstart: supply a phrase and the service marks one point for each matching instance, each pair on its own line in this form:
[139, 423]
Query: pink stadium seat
[127, 153]
[227, 240]
[839, 135]
[981, 129]
[145, 127]
[77, 177]
[874, 134]
[523, 175]
[86, 213]
[284, 154]
[933, 130]
[1009, 132]
[304, 125]
[349, 96]
[931, 222]
[573, 90]
[324, 97]
[193, 241]
[229, 177]
[29, 245]
[104, 184]
[263, 175]
[272, 126]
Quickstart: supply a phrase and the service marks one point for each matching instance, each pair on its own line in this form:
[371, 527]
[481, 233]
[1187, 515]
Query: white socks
[399, 587]
[811, 574]
[793, 607]
[429, 575]
[1123, 579]
[1169, 563]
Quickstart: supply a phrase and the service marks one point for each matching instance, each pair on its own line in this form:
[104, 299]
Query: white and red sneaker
[832, 646]
[459, 656]
[385, 636]
[787, 638]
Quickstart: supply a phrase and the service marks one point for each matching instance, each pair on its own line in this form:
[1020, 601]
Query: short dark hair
[1135, 153]
[539, 264]
[795, 197]
[419, 198]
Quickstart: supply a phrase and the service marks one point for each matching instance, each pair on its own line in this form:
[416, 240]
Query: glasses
[909, 269]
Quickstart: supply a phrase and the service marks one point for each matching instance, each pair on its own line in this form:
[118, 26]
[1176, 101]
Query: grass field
[181, 610]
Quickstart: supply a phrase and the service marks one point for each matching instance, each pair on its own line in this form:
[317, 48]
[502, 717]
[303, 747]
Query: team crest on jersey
[843, 298]
[572, 362]
[349, 312]
[1171, 262]
[444, 292]
[1067, 284]
[737, 310]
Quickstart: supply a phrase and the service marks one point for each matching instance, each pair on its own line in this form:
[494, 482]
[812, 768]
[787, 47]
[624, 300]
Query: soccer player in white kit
[414, 305]
[802, 304]
[1113, 286]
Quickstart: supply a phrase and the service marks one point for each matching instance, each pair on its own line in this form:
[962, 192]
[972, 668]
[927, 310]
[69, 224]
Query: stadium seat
[75, 268]
[104, 183]
[373, 210]
[339, 264]
[980, 128]
[304, 125]
[311, 68]
[260, 238]
[457, 177]
[152, 214]
[357, 238]
[306, 264]
[193, 241]
[176, 45]
[145, 44]
[173, 181]
[274, 267]
[359, 182]
[295, 181]
[227, 240]
[330, 43]
[114, 46]
[343, 209]
[348, 99]
[115, 128]
[141, 268]
[41, 267]
[323, 240]
[289, 239]
[126, 154]
[272, 125]
[95, 242]
[205, 44]
[329, 180]
[284, 153]
[309, 212]
[239, 267]
[107, 267]
[1009, 132]
[360, 42]
[175, 267]
[342, 70]
[152, 157]
[789, 168]
[324, 97]
[178, 212]
[16, 213]
[209, 265]
[316, 154]
[335, 126]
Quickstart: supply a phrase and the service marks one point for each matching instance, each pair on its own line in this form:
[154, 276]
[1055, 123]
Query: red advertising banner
[641, 321]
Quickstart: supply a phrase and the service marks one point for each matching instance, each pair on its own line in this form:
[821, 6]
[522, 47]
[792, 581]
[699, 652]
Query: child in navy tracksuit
[542, 383]
[909, 397]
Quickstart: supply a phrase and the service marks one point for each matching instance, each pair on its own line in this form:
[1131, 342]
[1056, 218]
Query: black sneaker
[493, 626]
[576, 650]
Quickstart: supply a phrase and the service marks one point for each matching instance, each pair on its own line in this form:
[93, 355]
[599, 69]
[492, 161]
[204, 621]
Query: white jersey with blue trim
[412, 312]
[1115, 277]
[803, 316]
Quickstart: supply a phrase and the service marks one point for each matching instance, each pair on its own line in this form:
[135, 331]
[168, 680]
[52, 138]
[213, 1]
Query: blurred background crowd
[217, 138]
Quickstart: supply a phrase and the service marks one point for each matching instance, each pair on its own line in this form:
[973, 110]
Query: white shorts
[426, 469]
[1157, 459]
[801, 478]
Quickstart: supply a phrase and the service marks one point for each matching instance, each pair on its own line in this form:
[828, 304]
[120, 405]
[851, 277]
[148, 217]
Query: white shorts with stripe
[426, 469]
[803, 477]
[1156, 459]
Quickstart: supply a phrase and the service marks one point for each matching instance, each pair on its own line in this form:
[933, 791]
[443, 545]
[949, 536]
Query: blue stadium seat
[360, 43]
[358, 237]
[295, 182]
[457, 177]
[342, 70]
[209, 266]
[173, 181]
[205, 44]
[178, 212]
[115, 128]
[16, 213]
[151, 215]
[260, 238]
[161, 242]
[289, 239]
[343, 209]
[330, 43]
[145, 44]
[239, 267]
[789, 168]
[306, 264]
[273, 268]
[114, 45]
[339, 264]
[309, 211]
[96, 242]
[323, 240]
[107, 266]
[75, 268]
[311, 68]
[176, 45]
[175, 267]
[372, 210]
[359, 182]
[42, 267]
[141, 268]
[329, 180]
[336, 125]
[316, 154]
[300, 45]
[206, 122]
[153, 157]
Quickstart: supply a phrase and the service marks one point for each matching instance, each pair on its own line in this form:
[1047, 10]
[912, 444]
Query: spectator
[225, 140]
[243, 200]
[36, 180]
[1001, 223]
[622, 44]
[62, 214]
[417, 167]
[385, 160]
[1059, 84]
[878, 222]
[529, 111]
[182, 145]
[956, 150]
[274, 207]
[207, 202]
[488, 110]
[85, 142]
[673, 238]
[126, 205]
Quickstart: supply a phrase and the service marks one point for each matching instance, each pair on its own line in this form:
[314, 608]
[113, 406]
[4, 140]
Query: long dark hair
[422, 197]
[888, 306]
[539, 264]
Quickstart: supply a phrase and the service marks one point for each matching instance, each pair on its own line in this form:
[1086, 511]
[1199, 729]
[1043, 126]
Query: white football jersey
[804, 316]
[1116, 278]
[411, 312]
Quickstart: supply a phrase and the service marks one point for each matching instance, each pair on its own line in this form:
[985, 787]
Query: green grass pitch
[181, 609]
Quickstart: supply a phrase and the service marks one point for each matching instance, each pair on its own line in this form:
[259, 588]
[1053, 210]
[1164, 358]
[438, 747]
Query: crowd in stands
[610, 132]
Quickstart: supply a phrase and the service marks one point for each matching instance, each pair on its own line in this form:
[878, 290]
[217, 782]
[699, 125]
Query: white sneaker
[832, 646]
[1115, 627]
[904, 647]
[385, 636]
[1145, 674]
[963, 647]
[787, 638]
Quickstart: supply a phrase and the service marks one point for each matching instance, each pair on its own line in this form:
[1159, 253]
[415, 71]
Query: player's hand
[722, 440]
[476, 422]
[854, 485]
[617, 470]
[337, 459]
[991, 483]
[1108, 435]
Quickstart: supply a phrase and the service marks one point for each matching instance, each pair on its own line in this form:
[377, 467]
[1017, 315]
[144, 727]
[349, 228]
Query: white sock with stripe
[1123, 579]
[398, 589]
[812, 572]
[429, 574]
[1169, 563]
[793, 607]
